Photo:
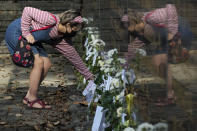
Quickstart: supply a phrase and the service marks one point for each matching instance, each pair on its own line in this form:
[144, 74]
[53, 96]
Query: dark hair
[135, 15]
[68, 16]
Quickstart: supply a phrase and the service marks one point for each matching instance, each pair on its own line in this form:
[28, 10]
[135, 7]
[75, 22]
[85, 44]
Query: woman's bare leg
[162, 68]
[47, 66]
[35, 79]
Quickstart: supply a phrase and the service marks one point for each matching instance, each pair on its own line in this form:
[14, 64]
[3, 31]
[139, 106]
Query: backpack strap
[43, 28]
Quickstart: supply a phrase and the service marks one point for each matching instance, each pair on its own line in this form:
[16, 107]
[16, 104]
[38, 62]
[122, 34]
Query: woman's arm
[136, 44]
[29, 14]
[172, 20]
[71, 54]
[165, 17]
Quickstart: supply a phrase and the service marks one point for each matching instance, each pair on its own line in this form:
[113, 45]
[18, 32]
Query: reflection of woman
[64, 26]
[157, 29]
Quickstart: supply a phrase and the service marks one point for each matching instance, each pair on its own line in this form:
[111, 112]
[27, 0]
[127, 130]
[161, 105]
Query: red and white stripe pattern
[78, 19]
[71, 54]
[125, 18]
[164, 16]
[132, 48]
[32, 17]
[36, 19]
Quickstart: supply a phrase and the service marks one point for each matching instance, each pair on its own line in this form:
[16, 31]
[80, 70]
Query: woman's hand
[91, 78]
[30, 39]
[170, 36]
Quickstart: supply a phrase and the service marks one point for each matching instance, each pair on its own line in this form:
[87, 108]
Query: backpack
[23, 55]
[177, 52]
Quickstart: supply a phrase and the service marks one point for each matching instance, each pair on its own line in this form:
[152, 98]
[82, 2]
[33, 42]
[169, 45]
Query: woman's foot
[161, 102]
[25, 100]
[39, 104]
[171, 98]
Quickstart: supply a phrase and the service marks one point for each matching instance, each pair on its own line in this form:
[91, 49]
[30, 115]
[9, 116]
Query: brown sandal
[38, 101]
[165, 102]
[27, 101]
[171, 100]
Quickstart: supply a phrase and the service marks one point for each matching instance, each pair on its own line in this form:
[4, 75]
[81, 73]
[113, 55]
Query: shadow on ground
[66, 113]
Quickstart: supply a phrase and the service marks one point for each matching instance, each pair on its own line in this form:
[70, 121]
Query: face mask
[72, 34]
[133, 33]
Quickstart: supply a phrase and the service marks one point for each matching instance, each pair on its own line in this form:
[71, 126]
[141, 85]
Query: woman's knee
[38, 62]
[47, 62]
[156, 60]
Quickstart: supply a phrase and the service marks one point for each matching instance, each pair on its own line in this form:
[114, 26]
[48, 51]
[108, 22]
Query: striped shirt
[164, 17]
[36, 19]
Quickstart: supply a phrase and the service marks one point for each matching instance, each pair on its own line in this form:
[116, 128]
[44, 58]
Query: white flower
[118, 73]
[87, 20]
[145, 127]
[109, 61]
[93, 38]
[119, 111]
[129, 129]
[141, 52]
[102, 68]
[161, 127]
[107, 70]
[126, 123]
[97, 42]
[100, 63]
[111, 87]
[113, 69]
[116, 82]
[122, 61]
[120, 96]
[111, 52]
[91, 30]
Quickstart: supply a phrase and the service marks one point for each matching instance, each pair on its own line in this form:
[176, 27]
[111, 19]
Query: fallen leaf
[7, 97]
[18, 115]
[2, 123]
[13, 87]
[50, 125]
[65, 110]
[36, 128]
[81, 102]
[56, 123]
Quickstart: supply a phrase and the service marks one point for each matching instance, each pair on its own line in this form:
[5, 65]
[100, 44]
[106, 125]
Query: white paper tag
[89, 96]
[99, 119]
[89, 91]
[90, 87]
